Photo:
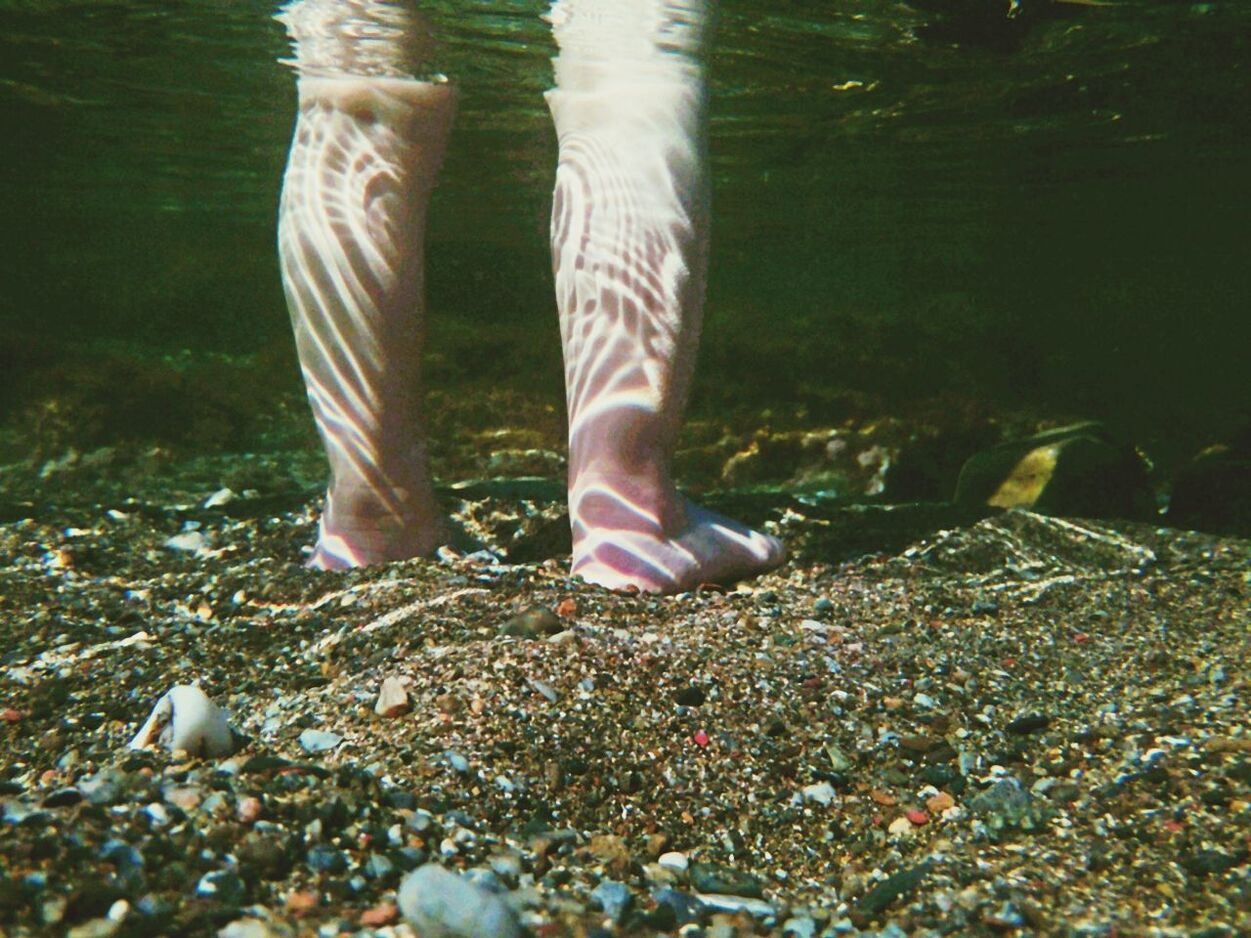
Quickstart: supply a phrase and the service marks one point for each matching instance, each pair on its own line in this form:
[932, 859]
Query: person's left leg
[629, 248]
[368, 143]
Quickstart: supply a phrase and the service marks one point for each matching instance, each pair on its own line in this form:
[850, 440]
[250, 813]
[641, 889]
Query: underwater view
[625, 467]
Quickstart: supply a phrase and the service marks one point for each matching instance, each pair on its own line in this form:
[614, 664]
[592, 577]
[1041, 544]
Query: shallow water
[1049, 210]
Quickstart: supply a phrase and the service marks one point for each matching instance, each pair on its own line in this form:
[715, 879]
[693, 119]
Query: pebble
[1006, 804]
[1030, 723]
[384, 913]
[800, 927]
[103, 788]
[188, 542]
[392, 698]
[715, 878]
[892, 888]
[248, 809]
[326, 859]
[248, 928]
[614, 898]
[682, 908]
[223, 496]
[222, 886]
[757, 908]
[533, 623]
[673, 860]
[63, 798]
[821, 792]
[507, 866]
[441, 903]
[301, 902]
[315, 741]
[692, 696]
[900, 826]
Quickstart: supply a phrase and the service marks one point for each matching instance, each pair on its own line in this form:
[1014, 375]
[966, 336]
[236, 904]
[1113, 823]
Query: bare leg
[368, 143]
[629, 250]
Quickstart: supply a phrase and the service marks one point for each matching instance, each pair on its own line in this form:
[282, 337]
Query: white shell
[186, 719]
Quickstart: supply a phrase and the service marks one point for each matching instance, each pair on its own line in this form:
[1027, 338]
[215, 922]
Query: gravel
[1014, 725]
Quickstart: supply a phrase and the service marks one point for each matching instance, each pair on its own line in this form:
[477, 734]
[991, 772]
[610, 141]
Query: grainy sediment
[1007, 726]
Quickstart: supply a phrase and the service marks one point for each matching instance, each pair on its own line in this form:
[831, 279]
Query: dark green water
[1050, 211]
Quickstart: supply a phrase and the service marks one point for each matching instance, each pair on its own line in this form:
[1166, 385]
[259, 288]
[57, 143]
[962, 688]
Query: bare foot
[360, 527]
[661, 545]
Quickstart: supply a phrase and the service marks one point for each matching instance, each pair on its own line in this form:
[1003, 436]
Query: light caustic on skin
[629, 247]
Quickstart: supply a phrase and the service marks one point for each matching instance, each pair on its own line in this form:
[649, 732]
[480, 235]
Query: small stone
[839, 762]
[248, 928]
[1030, 723]
[940, 803]
[799, 927]
[716, 878]
[223, 496]
[614, 898]
[692, 696]
[458, 762]
[701, 738]
[534, 622]
[377, 866]
[679, 908]
[440, 903]
[63, 798]
[384, 913]
[1006, 804]
[917, 817]
[392, 698]
[901, 826]
[188, 542]
[673, 860]
[821, 792]
[316, 741]
[323, 858]
[249, 809]
[892, 888]
[757, 908]
[222, 886]
[301, 902]
[611, 851]
[186, 797]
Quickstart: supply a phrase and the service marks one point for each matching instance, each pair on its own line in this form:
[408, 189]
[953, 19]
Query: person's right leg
[368, 142]
[629, 248]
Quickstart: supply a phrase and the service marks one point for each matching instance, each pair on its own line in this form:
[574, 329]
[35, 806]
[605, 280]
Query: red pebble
[1081, 638]
[701, 738]
[918, 817]
[567, 608]
[10, 715]
[382, 914]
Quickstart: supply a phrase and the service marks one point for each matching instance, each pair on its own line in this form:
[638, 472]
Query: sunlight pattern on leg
[629, 252]
[362, 163]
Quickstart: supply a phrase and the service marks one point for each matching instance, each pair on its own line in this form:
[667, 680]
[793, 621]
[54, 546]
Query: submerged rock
[1213, 491]
[1075, 470]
